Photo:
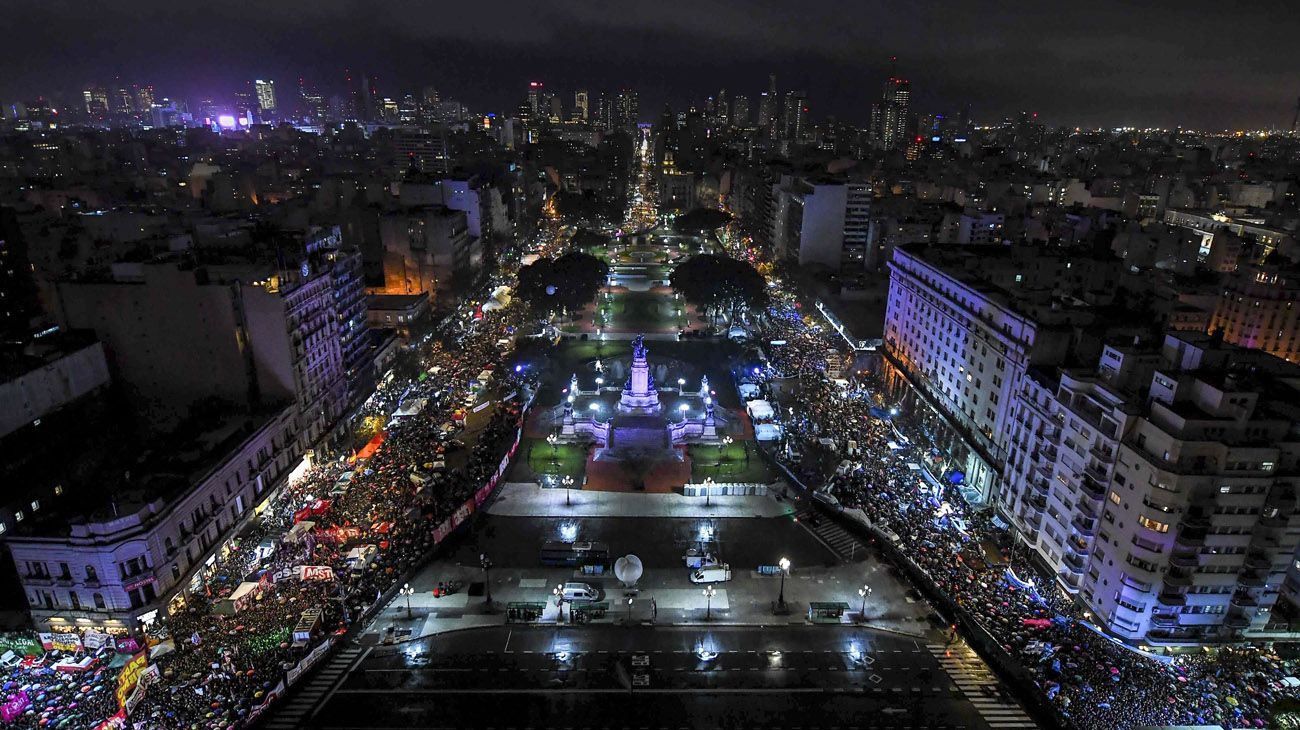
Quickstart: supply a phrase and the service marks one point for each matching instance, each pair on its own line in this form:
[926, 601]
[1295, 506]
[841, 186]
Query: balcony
[1178, 579]
[1092, 489]
[1191, 539]
[1194, 522]
[1164, 619]
[1102, 454]
[1251, 579]
[1075, 563]
[1037, 503]
[1184, 560]
[1244, 600]
[1171, 598]
[1258, 561]
[1236, 621]
[1083, 528]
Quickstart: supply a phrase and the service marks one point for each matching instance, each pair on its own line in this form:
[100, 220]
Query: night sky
[1210, 65]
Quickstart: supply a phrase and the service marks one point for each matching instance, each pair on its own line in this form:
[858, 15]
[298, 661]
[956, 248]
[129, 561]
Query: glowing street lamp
[784, 564]
[864, 591]
[709, 592]
[558, 592]
[407, 590]
[567, 481]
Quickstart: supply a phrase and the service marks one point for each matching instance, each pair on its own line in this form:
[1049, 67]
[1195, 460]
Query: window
[1114, 497]
[91, 575]
[1152, 525]
[99, 600]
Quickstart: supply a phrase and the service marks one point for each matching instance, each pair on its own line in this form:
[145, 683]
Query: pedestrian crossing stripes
[294, 712]
[980, 686]
[836, 538]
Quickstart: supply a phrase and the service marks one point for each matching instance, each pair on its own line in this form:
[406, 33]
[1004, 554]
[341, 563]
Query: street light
[486, 563]
[709, 593]
[558, 592]
[864, 591]
[567, 481]
[726, 441]
[784, 564]
[407, 590]
[708, 491]
[552, 440]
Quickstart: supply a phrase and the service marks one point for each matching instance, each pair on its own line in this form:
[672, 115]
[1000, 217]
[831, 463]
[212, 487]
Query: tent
[767, 432]
[748, 391]
[759, 409]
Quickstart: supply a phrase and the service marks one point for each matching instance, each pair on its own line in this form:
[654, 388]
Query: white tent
[411, 408]
[748, 391]
[759, 409]
[767, 432]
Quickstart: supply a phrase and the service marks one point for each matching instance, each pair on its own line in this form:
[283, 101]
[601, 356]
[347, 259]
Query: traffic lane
[537, 638]
[745, 543]
[644, 710]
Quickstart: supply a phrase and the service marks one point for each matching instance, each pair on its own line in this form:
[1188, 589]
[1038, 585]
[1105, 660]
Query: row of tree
[720, 284]
[566, 283]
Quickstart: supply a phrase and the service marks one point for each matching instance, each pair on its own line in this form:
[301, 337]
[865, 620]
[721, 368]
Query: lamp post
[486, 563]
[552, 440]
[722, 446]
[784, 564]
[567, 481]
[864, 591]
[558, 592]
[709, 593]
[708, 491]
[407, 590]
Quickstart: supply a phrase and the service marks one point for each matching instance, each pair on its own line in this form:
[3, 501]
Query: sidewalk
[527, 499]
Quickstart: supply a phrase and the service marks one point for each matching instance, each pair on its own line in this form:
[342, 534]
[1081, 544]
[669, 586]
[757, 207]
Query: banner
[15, 707]
[21, 644]
[60, 641]
[284, 574]
[315, 572]
[94, 641]
[128, 645]
[150, 676]
[129, 677]
[134, 699]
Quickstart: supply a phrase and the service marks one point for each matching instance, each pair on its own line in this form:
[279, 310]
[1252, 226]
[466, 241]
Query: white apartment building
[822, 221]
[114, 566]
[964, 323]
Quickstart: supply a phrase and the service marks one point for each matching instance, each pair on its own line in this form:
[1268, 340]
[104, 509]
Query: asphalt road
[607, 677]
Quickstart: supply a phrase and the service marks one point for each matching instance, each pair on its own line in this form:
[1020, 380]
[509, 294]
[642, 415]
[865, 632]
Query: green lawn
[732, 467]
[537, 458]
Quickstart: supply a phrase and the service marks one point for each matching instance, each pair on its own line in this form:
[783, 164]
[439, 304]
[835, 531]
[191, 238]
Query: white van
[579, 592]
[712, 574]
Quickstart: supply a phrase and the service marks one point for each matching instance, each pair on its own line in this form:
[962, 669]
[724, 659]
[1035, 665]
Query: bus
[574, 554]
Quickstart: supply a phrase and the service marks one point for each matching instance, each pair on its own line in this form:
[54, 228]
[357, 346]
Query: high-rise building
[721, 110]
[314, 105]
[580, 105]
[889, 117]
[629, 110]
[95, 101]
[534, 97]
[740, 111]
[794, 124]
[1260, 307]
[1157, 485]
[821, 221]
[265, 90]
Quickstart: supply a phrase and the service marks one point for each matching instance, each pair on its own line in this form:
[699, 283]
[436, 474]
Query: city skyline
[1075, 67]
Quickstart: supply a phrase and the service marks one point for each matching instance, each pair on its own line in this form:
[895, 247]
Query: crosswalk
[980, 686]
[295, 712]
[836, 538]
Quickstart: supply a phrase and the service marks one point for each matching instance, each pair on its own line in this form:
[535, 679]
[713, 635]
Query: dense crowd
[1091, 680]
[217, 666]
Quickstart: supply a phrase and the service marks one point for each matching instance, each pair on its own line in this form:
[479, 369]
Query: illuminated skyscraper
[265, 91]
[889, 127]
[629, 110]
[534, 94]
[580, 105]
[740, 111]
[95, 99]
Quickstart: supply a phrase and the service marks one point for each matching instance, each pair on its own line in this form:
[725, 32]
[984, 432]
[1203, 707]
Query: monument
[640, 423]
[640, 397]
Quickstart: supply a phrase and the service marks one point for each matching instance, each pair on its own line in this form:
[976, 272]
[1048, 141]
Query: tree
[719, 283]
[565, 283]
[700, 220]
[584, 238]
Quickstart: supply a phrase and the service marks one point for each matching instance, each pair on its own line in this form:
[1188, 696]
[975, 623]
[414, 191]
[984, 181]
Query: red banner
[315, 572]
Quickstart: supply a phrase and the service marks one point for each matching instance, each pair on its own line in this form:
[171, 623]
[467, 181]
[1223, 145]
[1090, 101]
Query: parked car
[712, 574]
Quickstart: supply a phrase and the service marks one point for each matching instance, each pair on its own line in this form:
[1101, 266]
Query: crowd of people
[890, 480]
[220, 661]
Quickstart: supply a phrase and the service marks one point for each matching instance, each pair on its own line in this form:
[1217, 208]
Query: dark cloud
[1103, 62]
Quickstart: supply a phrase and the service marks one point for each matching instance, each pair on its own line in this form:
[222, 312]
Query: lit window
[1152, 525]
[1114, 497]
[18, 516]
[36, 504]
[58, 490]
